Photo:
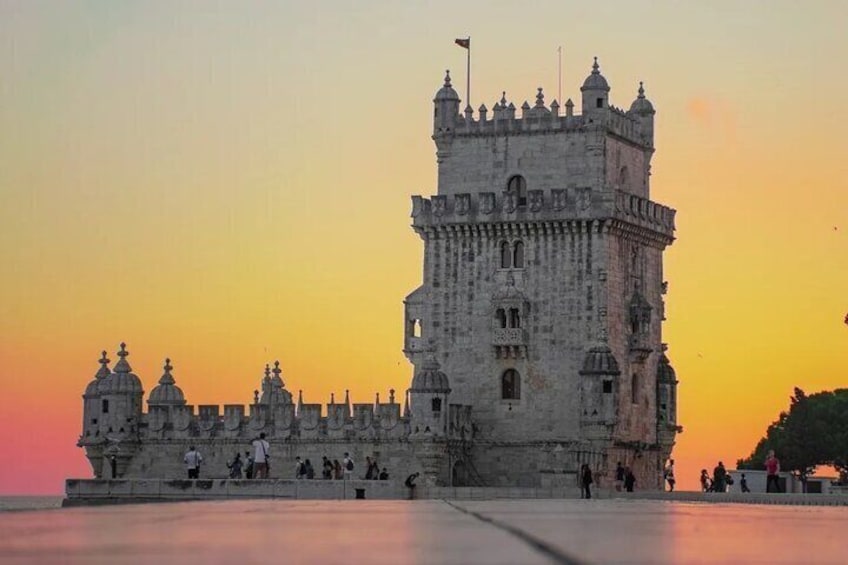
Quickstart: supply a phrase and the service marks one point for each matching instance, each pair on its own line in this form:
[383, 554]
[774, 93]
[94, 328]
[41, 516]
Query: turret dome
[642, 105]
[600, 361]
[103, 372]
[122, 380]
[166, 392]
[665, 372]
[430, 379]
[446, 92]
[595, 80]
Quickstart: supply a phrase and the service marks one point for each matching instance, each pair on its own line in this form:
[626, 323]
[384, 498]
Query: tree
[813, 432]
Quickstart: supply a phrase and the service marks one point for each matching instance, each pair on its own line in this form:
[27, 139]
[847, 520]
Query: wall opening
[510, 385]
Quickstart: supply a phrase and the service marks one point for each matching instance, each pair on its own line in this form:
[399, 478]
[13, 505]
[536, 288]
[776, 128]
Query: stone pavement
[426, 531]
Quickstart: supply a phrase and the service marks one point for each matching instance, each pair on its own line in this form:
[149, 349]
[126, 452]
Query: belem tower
[535, 336]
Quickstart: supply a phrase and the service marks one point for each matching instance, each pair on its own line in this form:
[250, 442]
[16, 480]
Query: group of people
[720, 481]
[256, 464]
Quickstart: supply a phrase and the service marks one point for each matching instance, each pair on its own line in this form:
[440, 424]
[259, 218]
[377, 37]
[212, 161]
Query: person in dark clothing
[719, 478]
[384, 474]
[327, 469]
[619, 477]
[410, 484]
[248, 465]
[743, 484]
[706, 483]
[235, 466]
[585, 481]
[629, 480]
[113, 464]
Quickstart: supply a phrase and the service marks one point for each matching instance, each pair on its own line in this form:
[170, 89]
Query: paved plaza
[426, 531]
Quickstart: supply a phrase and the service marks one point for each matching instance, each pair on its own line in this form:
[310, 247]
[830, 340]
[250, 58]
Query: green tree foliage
[813, 432]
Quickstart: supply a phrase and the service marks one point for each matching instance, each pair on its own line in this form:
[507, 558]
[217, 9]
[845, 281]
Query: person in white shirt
[192, 460]
[347, 467]
[261, 457]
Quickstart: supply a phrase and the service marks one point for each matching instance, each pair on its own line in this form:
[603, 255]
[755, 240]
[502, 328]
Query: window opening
[436, 404]
[501, 316]
[510, 385]
[105, 407]
[518, 186]
[518, 255]
[514, 318]
[634, 389]
[599, 103]
[607, 387]
[506, 255]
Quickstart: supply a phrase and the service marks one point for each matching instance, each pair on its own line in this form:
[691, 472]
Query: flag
[464, 42]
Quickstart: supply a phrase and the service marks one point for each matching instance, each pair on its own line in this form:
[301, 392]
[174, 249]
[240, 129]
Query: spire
[447, 79]
[122, 366]
[267, 371]
[540, 98]
[378, 399]
[503, 99]
[332, 398]
[103, 371]
[167, 378]
[299, 400]
[406, 404]
[596, 69]
[641, 90]
[347, 397]
[391, 396]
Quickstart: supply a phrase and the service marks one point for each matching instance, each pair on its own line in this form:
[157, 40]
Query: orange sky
[228, 185]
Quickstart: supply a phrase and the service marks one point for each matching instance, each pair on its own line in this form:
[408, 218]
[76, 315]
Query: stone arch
[506, 255]
[517, 186]
[459, 474]
[510, 385]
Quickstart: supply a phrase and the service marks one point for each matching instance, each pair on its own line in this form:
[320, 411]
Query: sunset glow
[227, 185]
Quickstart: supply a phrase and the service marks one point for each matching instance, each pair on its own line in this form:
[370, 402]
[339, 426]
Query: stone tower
[542, 295]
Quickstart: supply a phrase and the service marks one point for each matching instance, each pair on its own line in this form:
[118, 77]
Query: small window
[501, 317]
[607, 387]
[634, 389]
[436, 404]
[518, 255]
[416, 328]
[518, 186]
[510, 385]
[599, 103]
[514, 318]
[506, 255]
[104, 408]
[94, 421]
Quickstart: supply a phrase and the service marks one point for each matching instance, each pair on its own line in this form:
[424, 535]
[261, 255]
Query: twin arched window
[510, 385]
[508, 318]
[512, 255]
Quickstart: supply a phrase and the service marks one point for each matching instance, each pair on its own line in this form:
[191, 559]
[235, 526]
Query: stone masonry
[535, 336]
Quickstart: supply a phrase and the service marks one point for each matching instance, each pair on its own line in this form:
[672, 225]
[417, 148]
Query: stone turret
[91, 402]
[120, 394]
[595, 91]
[428, 397]
[166, 393]
[643, 111]
[599, 390]
[446, 111]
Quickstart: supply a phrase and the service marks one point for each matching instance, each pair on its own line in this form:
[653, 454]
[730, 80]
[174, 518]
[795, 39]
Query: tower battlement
[541, 207]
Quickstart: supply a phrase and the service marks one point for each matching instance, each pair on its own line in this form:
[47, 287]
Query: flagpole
[559, 75]
[468, 74]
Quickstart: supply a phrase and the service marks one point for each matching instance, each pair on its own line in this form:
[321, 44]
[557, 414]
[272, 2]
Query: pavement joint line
[539, 545]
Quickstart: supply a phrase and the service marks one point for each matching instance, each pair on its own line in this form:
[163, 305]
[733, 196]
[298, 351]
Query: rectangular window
[607, 387]
[105, 407]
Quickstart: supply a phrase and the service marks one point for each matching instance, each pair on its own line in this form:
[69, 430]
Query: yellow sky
[229, 184]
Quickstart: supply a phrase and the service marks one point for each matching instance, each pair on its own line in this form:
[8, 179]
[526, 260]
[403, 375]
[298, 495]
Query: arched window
[634, 389]
[104, 408]
[416, 328]
[506, 255]
[436, 404]
[518, 186]
[501, 317]
[514, 318]
[518, 255]
[510, 385]
[622, 176]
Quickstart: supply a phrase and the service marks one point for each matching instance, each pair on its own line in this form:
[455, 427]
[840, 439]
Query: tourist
[299, 470]
[384, 475]
[706, 483]
[585, 481]
[261, 458]
[308, 470]
[629, 479]
[327, 469]
[719, 478]
[369, 469]
[410, 484]
[192, 460]
[235, 466]
[248, 466]
[772, 472]
[347, 466]
[743, 484]
[619, 477]
[337, 469]
[113, 465]
[669, 475]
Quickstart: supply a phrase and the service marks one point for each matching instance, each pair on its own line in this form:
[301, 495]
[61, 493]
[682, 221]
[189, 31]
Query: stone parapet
[561, 207]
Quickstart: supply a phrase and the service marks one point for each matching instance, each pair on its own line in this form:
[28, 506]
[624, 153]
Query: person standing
[585, 481]
[705, 481]
[299, 470]
[308, 470]
[743, 484]
[326, 468]
[669, 475]
[192, 461]
[629, 479]
[248, 466]
[261, 459]
[772, 472]
[337, 469]
[619, 477]
[719, 478]
[235, 466]
[347, 466]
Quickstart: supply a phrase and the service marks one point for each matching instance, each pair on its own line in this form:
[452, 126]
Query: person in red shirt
[772, 470]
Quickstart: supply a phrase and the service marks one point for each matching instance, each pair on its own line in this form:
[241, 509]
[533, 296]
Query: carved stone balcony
[509, 342]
